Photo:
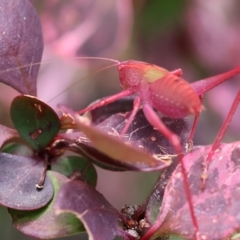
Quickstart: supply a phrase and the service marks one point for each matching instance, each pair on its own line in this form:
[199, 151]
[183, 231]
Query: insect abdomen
[174, 97]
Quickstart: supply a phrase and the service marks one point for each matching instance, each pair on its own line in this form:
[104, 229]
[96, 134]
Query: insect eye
[120, 67]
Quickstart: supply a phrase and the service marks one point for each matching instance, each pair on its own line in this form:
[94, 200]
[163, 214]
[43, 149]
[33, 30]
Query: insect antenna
[116, 62]
[96, 58]
[87, 76]
[61, 59]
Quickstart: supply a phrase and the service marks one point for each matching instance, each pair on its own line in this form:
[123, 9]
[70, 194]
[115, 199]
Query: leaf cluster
[47, 163]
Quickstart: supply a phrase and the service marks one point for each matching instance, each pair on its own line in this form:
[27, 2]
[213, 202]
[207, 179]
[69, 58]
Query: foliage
[50, 193]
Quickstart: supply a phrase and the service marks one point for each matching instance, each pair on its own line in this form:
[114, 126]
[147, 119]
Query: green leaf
[44, 223]
[74, 166]
[7, 134]
[36, 122]
[17, 149]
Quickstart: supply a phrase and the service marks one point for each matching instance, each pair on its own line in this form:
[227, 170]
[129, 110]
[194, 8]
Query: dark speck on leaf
[235, 157]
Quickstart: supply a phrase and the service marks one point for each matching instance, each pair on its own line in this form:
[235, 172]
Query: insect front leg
[136, 106]
[203, 86]
[156, 122]
[107, 100]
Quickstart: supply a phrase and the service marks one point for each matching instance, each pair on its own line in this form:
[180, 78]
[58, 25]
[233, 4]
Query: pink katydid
[157, 88]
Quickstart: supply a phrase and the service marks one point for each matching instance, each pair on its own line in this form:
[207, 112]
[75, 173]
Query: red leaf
[216, 207]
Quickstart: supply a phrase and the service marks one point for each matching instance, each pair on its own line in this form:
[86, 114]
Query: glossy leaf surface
[143, 136]
[36, 122]
[44, 223]
[18, 178]
[114, 148]
[140, 139]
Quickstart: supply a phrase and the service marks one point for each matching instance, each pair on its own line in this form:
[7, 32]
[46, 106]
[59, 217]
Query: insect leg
[156, 122]
[136, 106]
[107, 100]
[207, 84]
[194, 126]
[219, 137]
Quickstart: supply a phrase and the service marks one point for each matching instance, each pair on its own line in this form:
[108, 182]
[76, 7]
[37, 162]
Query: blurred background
[201, 37]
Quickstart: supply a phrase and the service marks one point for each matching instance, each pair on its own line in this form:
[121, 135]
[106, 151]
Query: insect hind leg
[156, 122]
[219, 137]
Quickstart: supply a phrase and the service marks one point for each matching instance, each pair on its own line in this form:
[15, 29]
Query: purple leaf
[143, 136]
[44, 223]
[111, 119]
[216, 207]
[21, 44]
[18, 178]
[142, 148]
[121, 105]
[95, 212]
[116, 149]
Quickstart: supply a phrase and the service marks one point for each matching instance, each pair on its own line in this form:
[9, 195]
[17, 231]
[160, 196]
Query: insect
[157, 88]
